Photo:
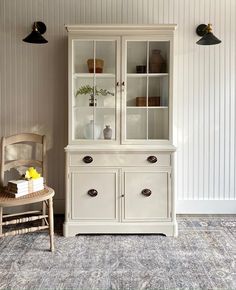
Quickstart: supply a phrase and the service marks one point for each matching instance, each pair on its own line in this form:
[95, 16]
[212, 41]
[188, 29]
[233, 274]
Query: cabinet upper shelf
[134, 75]
[91, 75]
[145, 107]
[106, 75]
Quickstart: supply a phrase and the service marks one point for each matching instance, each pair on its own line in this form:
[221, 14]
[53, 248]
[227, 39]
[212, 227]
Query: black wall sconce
[35, 36]
[208, 38]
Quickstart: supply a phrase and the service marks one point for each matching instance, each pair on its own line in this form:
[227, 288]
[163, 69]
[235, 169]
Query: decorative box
[152, 101]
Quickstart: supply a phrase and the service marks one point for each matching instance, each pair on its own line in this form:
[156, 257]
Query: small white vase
[88, 130]
[107, 132]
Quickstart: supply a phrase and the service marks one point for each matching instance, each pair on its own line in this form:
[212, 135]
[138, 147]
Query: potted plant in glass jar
[93, 91]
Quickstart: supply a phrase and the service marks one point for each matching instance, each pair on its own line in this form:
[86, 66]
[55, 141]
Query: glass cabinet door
[147, 90]
[94, 90]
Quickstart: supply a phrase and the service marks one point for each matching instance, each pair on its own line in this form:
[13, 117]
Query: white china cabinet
[119, 160]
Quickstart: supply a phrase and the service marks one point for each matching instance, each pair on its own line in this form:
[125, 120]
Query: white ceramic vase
[88, 130]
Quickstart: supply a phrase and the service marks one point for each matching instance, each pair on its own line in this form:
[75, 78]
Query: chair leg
[44, 210]
[1, 214]
[51, 224]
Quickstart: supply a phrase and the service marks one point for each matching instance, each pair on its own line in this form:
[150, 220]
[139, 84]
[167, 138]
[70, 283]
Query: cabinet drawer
[146, 195]
[94, 195]
[120, 159]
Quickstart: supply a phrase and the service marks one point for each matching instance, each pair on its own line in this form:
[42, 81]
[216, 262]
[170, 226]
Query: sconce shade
[35, 36]
[208, 38]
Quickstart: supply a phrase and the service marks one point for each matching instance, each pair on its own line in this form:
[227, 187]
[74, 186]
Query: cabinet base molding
[71, 229]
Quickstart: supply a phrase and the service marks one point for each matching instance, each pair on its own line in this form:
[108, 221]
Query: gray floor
[202, 257]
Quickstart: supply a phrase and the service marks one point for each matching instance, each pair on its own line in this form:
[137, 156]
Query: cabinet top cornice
[121, 28]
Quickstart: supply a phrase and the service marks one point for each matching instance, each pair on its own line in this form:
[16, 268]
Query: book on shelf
[37, 181]
[13, 194]
[22, 193]
[26, 189]
[19, 188]
[18, 183]
[36, 188]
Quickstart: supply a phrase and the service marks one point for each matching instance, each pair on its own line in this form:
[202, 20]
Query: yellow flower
[32, 173]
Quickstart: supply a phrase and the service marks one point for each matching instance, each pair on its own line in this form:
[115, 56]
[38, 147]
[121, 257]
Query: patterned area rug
[202, 257]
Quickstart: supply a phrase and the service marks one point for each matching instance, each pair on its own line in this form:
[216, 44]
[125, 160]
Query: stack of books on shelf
[19, 188]
[36, 184]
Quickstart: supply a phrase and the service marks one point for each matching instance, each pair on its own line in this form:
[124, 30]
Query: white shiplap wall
[33, 86]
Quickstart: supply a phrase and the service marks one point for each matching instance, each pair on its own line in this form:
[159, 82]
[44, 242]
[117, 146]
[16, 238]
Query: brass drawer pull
[152, 159]
[146, 192]
[88, 159]
[92, 192]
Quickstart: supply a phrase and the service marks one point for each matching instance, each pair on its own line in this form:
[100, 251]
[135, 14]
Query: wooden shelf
[145, 107]
[91, 75]
[90, 107]
[135, 75]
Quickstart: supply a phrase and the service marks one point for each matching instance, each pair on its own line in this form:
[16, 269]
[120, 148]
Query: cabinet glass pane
[83, 90]
[82, 51]
[94, 89]
[136, 91]
[158, 91]
[136, 123]
[147, 90]
[83, 122]
[136, 56]
[158, 123]
[105, 119]
[159, 56]
[90, 123]
[102, 88]
[106, 52]
[105, 93]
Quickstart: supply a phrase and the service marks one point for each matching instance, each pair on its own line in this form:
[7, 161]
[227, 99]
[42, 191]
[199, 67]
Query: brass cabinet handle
[123, 83]
[117, 84]
[152, 159]
[88, 159]
[92, 192]
[146, 192]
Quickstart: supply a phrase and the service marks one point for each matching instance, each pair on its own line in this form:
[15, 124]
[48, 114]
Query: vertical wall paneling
[33, 86]
[233, 104]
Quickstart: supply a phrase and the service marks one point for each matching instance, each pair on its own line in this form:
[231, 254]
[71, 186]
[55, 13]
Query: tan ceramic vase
[156, 61]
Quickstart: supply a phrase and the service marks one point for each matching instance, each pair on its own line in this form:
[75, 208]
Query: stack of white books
[19, 188]
[36, 184]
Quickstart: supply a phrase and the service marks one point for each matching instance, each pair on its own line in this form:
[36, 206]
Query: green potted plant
[92, 91]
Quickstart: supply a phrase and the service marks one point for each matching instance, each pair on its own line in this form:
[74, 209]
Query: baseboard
[206, 206]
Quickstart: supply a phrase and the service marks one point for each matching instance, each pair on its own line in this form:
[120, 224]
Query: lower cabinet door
[146, 196]
[94, 194]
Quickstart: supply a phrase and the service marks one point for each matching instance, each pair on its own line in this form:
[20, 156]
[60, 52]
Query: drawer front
[146, 196]
[94, 195]
[120, 159]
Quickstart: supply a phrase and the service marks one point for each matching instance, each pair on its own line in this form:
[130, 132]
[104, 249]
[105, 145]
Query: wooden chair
[45, 196]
